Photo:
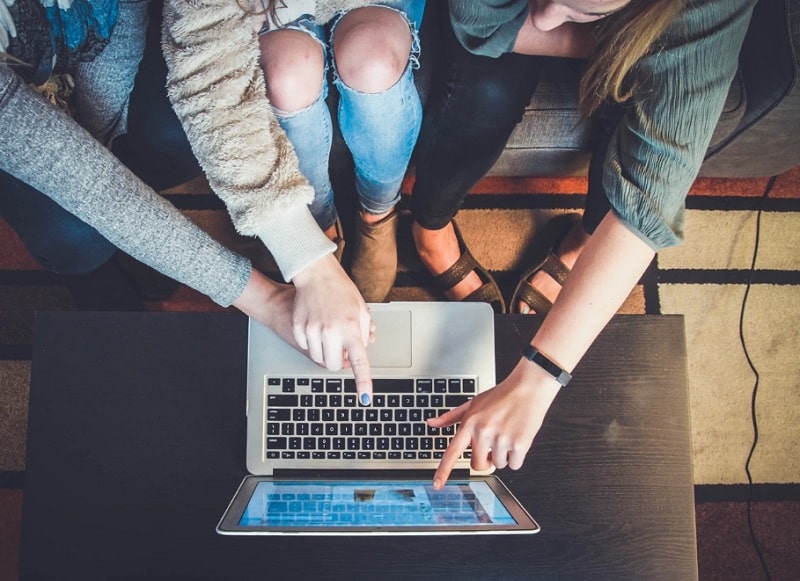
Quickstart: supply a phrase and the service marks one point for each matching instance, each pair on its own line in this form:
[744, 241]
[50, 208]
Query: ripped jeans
[379, 129]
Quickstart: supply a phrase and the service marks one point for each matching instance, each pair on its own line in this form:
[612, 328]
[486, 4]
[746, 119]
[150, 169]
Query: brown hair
[268, 7]
[621, 40]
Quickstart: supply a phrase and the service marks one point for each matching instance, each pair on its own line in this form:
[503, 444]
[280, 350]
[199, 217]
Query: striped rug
[706, 280]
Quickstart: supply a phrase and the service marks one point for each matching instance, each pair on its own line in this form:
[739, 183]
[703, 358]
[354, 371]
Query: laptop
[322, 464]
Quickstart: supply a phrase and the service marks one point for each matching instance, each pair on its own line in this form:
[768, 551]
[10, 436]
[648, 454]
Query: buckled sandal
[554, 233]
[488, 292]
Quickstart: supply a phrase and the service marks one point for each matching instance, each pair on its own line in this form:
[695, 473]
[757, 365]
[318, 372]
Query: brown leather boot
[374, 266]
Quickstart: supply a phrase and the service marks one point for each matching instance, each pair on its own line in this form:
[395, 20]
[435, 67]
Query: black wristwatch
[560, 375]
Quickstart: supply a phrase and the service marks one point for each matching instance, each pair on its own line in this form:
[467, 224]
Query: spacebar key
[383, 385]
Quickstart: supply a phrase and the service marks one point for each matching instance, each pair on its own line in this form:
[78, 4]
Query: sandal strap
[555, 268]
[531, 296]
[486, 293]
[465, 264]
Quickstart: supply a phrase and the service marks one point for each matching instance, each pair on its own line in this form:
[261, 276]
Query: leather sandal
[554, 233]
[488, 292]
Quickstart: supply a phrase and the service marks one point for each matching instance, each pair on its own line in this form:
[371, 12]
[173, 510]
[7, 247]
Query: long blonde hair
[621, 40]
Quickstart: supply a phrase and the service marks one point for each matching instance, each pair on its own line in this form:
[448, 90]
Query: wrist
[534, 357]
[322, 267]
[257, 294]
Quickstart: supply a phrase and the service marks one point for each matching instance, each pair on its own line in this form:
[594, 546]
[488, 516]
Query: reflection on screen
[373, 503]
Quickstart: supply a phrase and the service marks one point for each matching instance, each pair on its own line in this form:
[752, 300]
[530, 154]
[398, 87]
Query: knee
[73, 248]
[294, 67]
[499, 104]
[371, 48]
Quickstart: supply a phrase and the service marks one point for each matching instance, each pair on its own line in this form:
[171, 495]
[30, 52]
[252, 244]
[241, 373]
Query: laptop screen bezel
[229, 524]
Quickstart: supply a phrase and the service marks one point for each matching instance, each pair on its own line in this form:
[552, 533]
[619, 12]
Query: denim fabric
[380, 129]
[56, 239]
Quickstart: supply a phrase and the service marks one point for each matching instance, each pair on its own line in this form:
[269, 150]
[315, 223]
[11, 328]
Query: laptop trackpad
[392, 345]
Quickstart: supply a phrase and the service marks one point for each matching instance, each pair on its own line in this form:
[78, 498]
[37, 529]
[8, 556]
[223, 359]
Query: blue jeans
[58, 241]
[156, 148]
[380, 129]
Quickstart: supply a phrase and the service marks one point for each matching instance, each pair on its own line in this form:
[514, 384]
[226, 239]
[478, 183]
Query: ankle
[572, 245]
[332, 233]
[369, 218]
[438, 249]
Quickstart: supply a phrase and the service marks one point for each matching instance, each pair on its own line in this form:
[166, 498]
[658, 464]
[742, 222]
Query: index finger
[454, 450]
[359, 362]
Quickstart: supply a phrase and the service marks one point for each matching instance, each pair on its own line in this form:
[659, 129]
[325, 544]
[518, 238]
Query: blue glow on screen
[373, 503]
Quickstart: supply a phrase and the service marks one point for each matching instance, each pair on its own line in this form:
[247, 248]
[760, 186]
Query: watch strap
[532, 354]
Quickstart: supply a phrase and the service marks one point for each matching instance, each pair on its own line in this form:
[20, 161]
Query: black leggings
[475, 104]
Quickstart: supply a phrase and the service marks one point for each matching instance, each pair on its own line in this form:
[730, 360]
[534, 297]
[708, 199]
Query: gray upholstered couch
[757, 135]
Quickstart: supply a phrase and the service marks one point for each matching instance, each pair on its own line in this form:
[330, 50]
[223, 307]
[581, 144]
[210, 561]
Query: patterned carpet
[705, 280]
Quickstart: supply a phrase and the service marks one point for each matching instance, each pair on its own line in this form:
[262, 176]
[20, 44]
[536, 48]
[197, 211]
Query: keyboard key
[424, 386]
[452, 401]
[278, 415]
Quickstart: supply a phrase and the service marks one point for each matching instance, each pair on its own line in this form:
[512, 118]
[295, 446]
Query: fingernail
[524, 310]
[437, 484]
[364, 398]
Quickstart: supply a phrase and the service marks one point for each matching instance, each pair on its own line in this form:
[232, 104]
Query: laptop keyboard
[314, 418]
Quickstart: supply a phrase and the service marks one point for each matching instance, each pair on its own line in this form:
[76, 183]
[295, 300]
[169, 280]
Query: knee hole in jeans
[372, 47]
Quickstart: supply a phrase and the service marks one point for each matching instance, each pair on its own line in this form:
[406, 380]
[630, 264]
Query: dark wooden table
[136, 445]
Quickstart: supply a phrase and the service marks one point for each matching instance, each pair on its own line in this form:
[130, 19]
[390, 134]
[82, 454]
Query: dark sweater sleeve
[656, 151]
[488, 27]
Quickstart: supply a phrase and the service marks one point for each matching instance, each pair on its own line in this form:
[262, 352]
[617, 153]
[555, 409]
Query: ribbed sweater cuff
[294, 239]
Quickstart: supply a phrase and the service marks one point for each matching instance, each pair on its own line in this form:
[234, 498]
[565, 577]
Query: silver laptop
[309, 440]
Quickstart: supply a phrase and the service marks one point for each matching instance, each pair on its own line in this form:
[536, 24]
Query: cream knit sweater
[217, 88]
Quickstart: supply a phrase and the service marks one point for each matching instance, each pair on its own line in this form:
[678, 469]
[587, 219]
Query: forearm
[217, 89]
[50, 152]
[608, 268]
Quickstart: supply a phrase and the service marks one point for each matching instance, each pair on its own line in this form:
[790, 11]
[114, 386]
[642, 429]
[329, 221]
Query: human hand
[499, 423]
[332, 322]
[270, 303]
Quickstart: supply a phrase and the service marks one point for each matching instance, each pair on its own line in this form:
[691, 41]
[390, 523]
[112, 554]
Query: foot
[567, 251]
[334, 233]
[438, 250]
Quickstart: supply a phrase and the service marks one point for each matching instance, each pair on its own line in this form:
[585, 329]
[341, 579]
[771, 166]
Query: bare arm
[502, 422]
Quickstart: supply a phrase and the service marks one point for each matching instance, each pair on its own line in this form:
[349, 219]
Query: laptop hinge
[350, 474]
